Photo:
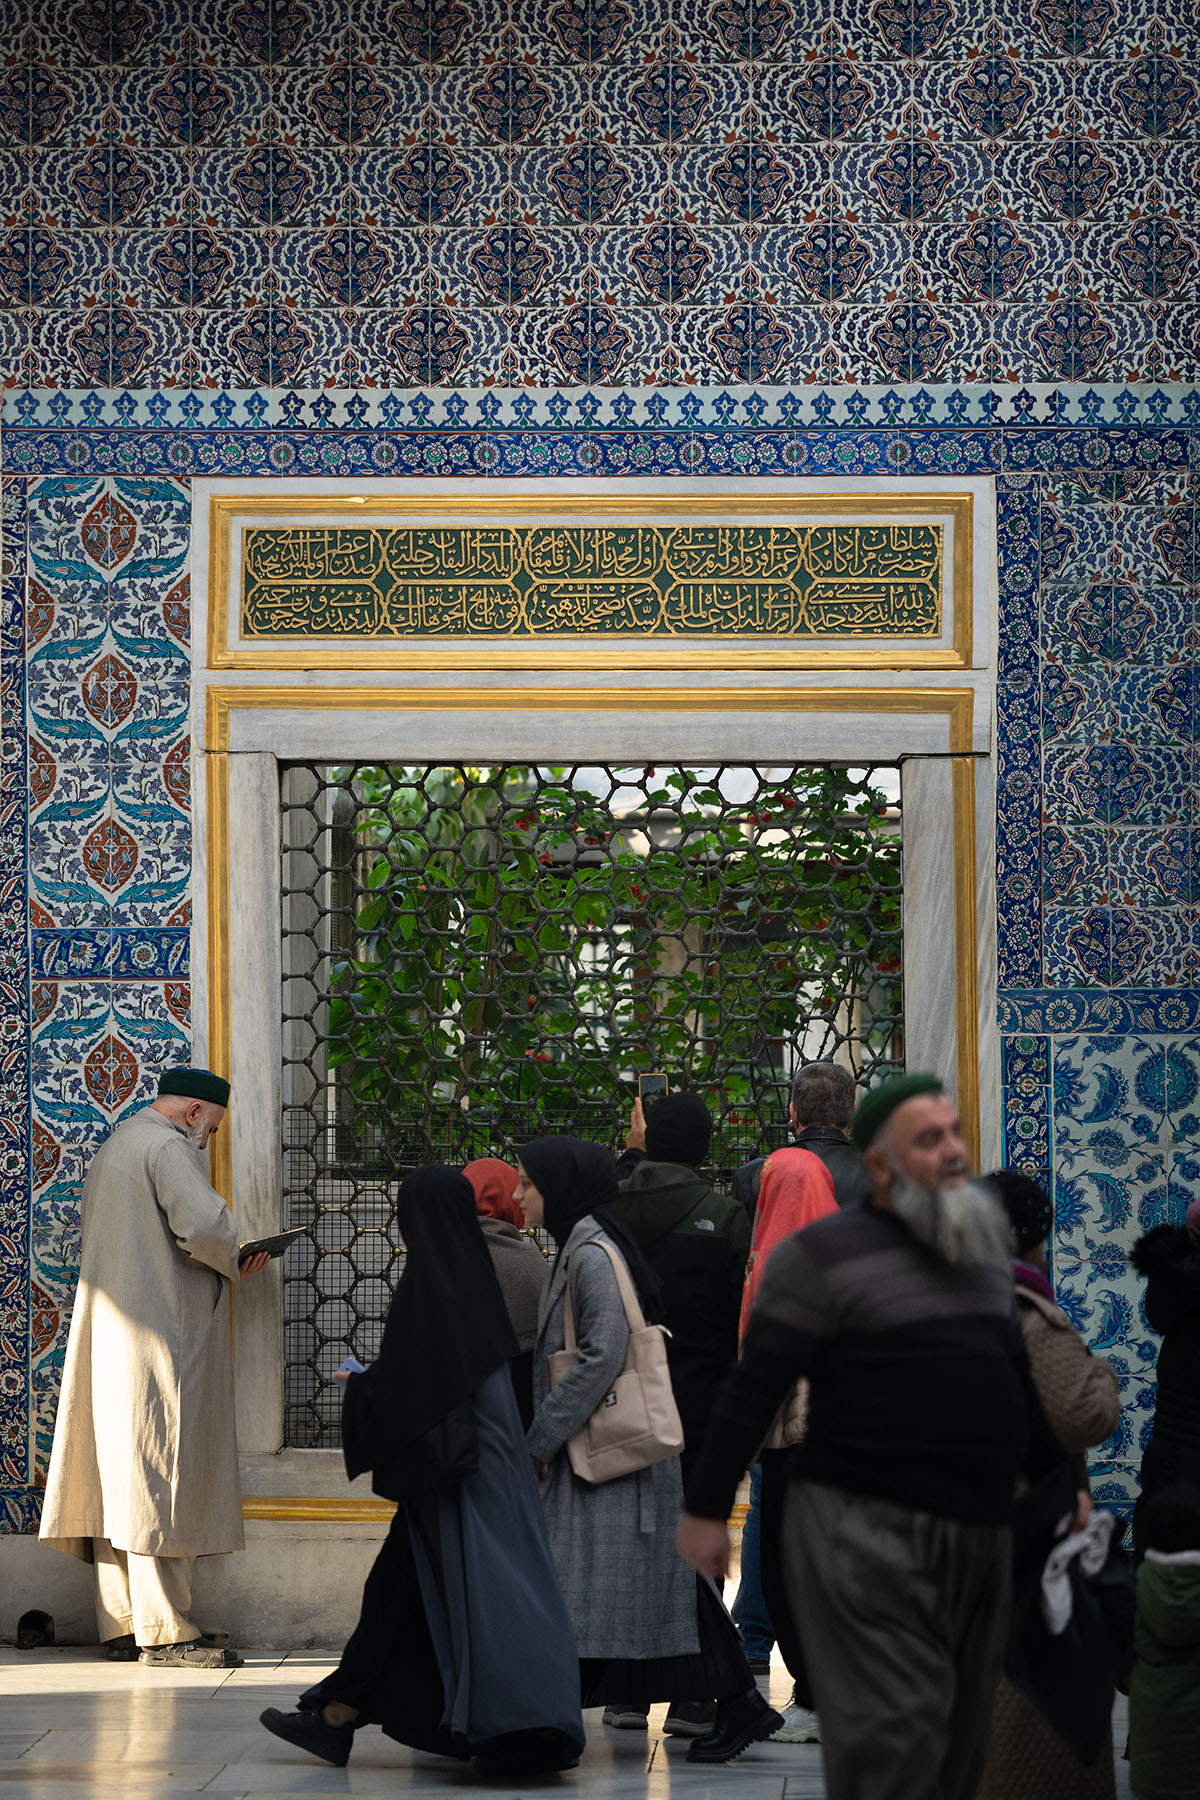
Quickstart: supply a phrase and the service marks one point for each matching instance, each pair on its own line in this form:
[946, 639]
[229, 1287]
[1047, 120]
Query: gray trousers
[903, 1618]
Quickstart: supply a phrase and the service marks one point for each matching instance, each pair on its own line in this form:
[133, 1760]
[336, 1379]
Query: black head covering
[447, 1327]
[195, 1084]
[577, 1181]
[1030, 1209]
[678, 1130]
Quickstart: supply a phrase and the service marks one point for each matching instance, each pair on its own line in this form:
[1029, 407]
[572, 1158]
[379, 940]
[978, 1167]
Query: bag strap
[633, 1313]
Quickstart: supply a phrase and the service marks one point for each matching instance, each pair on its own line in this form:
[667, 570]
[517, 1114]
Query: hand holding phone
[651, 1087]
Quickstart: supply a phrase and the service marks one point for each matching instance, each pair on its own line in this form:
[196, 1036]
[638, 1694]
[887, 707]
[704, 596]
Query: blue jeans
[749, 1610]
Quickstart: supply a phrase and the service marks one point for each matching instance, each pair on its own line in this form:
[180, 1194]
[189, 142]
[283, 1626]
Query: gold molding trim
[966, 952]
[630, 652]
[286, 1509]
[281, 1509]
[220, 1050]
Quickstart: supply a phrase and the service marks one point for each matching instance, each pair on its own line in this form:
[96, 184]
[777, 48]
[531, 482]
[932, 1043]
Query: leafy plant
[515, 945]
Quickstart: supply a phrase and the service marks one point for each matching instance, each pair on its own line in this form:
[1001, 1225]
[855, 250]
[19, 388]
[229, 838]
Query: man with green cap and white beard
[922, 1416]
[144, 1472]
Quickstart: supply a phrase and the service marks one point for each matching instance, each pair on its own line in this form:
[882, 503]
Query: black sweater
[921, 1390]
[696, 1241]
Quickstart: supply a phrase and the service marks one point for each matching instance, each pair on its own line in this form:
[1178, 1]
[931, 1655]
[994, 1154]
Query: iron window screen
[475, 956]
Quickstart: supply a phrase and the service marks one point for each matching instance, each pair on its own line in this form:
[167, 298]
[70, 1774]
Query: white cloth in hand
[1091, 1547]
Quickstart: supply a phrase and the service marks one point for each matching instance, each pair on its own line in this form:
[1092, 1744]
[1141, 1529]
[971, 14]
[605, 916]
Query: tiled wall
[1099, 886]
[397, 193]
[106, 608]
[717, 237]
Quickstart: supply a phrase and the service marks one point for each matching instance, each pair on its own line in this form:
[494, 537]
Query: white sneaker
[799, 1726]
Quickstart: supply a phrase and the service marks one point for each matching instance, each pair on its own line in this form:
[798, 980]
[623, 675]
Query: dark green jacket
[1164, 1689]
[697, 1241]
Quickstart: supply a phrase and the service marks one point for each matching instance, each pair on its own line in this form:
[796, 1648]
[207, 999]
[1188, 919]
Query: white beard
[197, 1135]
[962, 1224]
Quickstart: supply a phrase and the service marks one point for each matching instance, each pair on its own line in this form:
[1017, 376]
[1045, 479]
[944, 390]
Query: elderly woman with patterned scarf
[519, 1264]
[646, 1628]
[1079, 1395]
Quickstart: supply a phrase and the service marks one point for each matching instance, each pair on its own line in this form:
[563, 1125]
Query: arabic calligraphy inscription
[522, 581]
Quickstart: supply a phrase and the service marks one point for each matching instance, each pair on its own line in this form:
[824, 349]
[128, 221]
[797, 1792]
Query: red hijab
[493, 1184]
[795, 1189]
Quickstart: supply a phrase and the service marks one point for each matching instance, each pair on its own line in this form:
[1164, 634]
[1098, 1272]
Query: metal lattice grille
[473, 956]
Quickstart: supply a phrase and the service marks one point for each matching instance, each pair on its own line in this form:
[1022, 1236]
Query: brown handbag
[637, 1423]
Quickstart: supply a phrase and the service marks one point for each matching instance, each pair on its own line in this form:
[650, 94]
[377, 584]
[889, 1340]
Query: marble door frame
[936, 723]
[947, 904]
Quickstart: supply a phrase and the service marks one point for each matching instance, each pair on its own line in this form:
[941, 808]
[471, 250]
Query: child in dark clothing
[1164, 1690]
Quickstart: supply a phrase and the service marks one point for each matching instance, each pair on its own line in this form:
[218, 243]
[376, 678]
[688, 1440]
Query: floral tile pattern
[16, 1310]
[106, 628]
[591, 192]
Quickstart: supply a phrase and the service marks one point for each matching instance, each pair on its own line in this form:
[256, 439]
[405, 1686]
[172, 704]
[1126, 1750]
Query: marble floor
[74, 1727]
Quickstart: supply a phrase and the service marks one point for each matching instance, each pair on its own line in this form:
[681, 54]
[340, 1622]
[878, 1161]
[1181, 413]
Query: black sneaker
[625, 1716]
[740, 1723]
[308, 1731]
[690, 1718]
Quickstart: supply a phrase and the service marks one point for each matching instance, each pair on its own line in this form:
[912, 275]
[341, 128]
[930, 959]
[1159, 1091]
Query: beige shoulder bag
[788, 1425]
[637, 1423]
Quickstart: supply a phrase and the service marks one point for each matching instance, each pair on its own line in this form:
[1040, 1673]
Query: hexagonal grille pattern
[473, 956]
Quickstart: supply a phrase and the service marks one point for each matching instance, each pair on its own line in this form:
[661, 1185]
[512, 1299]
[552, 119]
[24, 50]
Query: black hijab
[578, 1181]
[447, 1327]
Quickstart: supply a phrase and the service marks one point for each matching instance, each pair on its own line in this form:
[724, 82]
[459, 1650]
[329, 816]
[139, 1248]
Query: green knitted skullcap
[877, 1107]
[195, 1084]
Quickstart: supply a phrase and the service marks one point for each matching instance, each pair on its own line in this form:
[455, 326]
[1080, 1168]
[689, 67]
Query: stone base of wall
[294, 1587]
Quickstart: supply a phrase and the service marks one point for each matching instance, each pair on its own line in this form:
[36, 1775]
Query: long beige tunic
[145, 1451]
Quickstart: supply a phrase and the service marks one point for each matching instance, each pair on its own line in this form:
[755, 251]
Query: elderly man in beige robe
[144, 1471]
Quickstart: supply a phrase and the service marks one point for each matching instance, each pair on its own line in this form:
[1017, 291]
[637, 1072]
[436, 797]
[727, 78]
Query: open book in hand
[269, 1246]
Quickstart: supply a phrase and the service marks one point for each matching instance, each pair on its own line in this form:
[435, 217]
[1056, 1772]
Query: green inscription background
[519, 581]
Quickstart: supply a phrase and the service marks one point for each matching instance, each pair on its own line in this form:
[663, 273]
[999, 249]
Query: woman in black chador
[463, 1646]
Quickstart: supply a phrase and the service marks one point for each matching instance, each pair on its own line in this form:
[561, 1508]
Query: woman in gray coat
[646, 1628]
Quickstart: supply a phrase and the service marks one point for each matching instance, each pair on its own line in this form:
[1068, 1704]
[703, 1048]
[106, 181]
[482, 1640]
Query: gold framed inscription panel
[602, 582]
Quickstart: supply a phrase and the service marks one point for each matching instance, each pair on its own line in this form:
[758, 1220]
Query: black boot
[308, 1730]
[740, 1722]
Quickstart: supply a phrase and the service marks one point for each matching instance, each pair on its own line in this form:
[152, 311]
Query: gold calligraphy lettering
[518, 581]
